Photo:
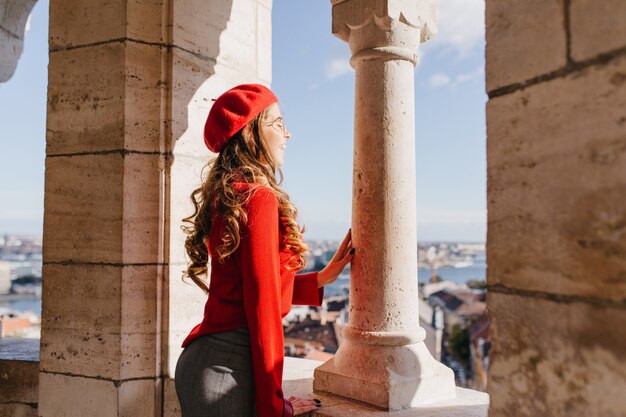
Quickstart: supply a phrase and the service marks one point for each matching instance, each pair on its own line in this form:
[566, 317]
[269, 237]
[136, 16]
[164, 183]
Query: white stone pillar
[383, 360]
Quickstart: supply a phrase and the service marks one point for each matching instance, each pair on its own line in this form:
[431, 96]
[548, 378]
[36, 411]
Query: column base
[390, 377]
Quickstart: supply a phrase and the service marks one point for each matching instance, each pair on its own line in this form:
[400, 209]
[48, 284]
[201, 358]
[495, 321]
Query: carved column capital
[385, 29]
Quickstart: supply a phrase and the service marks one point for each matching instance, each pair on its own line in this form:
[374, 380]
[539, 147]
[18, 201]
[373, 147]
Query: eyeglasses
[279, 125]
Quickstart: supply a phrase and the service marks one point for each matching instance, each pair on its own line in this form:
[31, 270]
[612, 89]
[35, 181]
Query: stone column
[383, 359]
[108, 152]
[130, 84]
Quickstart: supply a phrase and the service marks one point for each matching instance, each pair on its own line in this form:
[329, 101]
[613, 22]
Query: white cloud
[438, 80]
[461, 26]
[469, 76]
[337, 67]
[27, 28]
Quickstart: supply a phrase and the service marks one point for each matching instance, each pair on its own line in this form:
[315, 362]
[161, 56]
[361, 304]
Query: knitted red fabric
[232, 110]
[254, 289]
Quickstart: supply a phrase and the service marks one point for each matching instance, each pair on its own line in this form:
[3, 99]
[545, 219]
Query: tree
[458, 343]
[477, 284]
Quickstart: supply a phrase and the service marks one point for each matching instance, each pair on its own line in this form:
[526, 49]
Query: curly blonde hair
[243, 158]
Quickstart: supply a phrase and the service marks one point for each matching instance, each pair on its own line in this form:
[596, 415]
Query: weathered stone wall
[19, 376]
[107, 148]
[130, 84]
[556, 155]
[18, 399]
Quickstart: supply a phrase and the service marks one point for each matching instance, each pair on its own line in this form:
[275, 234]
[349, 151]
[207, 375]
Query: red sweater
[253, 289]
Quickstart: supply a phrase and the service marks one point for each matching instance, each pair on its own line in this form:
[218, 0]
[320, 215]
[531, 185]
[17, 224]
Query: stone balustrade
[19, 389]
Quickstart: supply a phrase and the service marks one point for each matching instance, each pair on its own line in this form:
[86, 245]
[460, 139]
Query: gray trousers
[214, 376]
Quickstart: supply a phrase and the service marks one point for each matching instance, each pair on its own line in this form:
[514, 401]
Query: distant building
[13, 326]
[460, 307]
[431, 320]
[19, 324]
[480, 344]
[429, 288]
[471, 247]
[5, 277]
[304, 336]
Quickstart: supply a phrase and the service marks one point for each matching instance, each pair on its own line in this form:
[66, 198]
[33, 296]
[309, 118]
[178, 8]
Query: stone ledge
[19, 349]
[298, 381]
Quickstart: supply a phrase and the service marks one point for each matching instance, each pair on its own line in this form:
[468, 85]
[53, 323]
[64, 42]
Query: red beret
[232, 110]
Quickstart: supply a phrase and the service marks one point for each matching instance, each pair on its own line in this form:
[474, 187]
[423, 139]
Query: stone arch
[13, 19]
[555, 244]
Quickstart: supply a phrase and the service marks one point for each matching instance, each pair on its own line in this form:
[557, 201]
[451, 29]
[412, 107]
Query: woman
[232, 364]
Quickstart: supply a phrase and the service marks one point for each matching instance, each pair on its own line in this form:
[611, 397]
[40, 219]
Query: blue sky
[315, 84]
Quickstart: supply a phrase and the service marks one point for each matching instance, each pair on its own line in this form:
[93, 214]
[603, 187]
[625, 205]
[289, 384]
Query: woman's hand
[344, 254]
[303, 405]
